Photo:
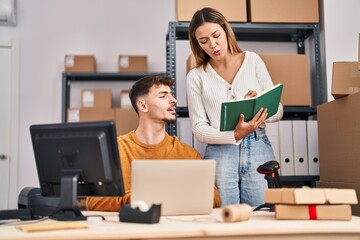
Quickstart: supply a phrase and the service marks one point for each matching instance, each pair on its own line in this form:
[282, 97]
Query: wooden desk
[262, 225]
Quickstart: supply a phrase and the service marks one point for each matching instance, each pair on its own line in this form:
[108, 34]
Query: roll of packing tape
[140, 205]
[236, 213]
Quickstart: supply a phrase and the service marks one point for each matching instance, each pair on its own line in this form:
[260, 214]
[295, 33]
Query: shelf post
[65, 97]
[171, 66]
[319, 86]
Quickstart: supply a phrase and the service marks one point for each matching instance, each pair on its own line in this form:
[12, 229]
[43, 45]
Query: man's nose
[173, 99]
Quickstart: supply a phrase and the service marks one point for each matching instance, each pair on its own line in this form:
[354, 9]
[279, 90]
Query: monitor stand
[68, 210]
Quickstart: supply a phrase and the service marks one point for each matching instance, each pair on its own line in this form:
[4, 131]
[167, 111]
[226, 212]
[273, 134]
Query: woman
[225, 72]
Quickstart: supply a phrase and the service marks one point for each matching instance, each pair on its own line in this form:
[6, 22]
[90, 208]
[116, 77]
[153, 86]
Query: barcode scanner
[270, 169]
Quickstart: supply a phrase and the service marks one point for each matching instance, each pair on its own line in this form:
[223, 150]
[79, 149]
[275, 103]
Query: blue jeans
[236, 168]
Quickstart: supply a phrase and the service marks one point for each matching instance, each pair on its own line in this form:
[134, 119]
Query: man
[153, 102]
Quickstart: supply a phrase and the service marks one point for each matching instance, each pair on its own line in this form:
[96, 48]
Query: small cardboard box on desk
[312, 203]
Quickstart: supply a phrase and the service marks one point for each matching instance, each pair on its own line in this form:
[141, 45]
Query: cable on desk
[22, 222]
[198, 220]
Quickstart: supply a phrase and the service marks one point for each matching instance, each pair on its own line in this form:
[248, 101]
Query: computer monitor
[77, 159]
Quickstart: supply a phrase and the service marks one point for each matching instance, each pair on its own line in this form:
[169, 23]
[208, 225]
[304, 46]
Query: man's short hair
[142, 87]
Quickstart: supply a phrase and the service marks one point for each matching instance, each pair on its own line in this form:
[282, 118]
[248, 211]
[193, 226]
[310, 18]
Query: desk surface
[261, 225]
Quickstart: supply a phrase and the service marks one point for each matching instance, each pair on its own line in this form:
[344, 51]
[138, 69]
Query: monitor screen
[77, 159]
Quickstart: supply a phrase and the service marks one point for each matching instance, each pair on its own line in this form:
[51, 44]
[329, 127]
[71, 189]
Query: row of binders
[296, 148]
[295, 144]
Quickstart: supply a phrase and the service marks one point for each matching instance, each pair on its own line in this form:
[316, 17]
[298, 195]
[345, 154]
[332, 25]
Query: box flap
[311, 196]
[339, 196]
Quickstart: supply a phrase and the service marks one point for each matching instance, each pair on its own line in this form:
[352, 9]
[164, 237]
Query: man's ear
[142, 106]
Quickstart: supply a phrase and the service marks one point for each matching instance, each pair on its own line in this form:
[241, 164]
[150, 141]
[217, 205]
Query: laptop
[182, 187]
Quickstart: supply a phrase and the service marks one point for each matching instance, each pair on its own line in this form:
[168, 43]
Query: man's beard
[168, 120]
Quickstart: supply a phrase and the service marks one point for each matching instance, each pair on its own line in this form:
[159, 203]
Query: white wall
[341, 28]
[47, 30]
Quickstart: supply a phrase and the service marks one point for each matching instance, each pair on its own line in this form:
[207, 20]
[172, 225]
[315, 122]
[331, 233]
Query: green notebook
[231, 110]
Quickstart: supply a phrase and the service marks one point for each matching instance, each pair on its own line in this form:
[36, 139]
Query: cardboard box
[125, 101]
[96, 98]
[340, 185]
[90, 114]
[339, 139]
[345, 79]
[295, 77]
[313, 212]
[126, 120]
[310, 196]
[283, 11]
[233, 10]
[80, 63]
[129, 63]
[190, 62]
[359, 53]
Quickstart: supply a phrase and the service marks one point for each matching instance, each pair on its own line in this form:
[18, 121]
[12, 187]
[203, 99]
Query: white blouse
[206, 90]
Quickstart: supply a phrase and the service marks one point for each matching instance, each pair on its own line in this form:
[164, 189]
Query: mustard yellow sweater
[131, 148]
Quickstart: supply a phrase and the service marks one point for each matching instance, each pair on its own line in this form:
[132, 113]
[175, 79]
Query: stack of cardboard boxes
[257, 11]
[97, 104]
[339, 130]
[312, 203]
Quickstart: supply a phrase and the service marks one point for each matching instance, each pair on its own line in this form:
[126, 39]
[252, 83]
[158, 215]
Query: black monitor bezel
[52, 188]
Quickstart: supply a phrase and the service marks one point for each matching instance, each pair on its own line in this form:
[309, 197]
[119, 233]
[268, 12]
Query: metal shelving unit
[299, 181]
[290, 113]
[264, 32]
[297, 33]
[68, 78]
